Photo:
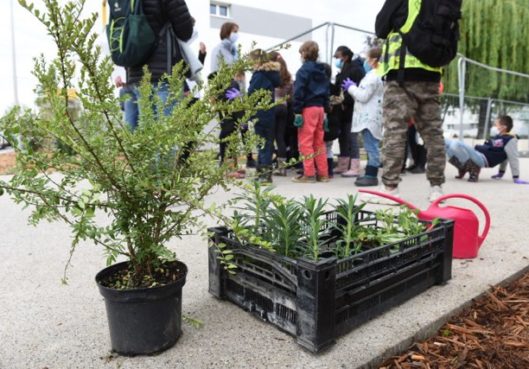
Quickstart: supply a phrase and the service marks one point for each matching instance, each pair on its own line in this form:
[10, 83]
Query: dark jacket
[312, 87]
[351, 70]
[159, 13]
[494, 149]
[266, 77]
[391, 18]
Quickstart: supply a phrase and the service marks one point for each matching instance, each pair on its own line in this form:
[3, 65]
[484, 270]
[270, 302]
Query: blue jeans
[371, 144]
[129, 105]
[131, 108]
[265, 130]
[464, 152]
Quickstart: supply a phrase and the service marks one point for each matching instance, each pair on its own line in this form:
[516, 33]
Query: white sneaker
[374, 199]
[435, 193]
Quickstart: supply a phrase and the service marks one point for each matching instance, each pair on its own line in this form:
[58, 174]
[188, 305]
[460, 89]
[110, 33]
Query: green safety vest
[391, 52]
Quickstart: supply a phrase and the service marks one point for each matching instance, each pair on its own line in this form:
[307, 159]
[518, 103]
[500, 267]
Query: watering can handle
[475, 201]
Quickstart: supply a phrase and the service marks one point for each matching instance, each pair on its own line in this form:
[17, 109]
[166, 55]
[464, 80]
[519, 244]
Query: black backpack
[434, 35]
[130, 36]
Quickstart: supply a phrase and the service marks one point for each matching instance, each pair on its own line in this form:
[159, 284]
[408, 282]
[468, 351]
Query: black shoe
[366, 181]
[473, 171]
[251, 163]
[462, 168]
[330, 166]
[417, 170]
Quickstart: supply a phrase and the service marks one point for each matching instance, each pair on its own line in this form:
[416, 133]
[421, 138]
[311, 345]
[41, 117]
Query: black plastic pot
[143, 321]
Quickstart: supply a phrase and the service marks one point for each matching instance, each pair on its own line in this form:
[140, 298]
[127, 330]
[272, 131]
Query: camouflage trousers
[420, 102]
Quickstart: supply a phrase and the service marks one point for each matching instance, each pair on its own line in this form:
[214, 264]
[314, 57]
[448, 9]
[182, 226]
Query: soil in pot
[145, 320]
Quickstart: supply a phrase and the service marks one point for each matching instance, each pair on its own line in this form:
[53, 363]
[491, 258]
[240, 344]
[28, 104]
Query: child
[311, 100]
[497, 150]
[283, 92]
[265, 77]
[367, 117]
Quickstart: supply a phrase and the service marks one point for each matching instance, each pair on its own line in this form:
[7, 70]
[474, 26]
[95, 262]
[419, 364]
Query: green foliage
[348, 226]
[283, 223]
[407, 225]
[494, 32]
[129, 192]
[313, 211]
[303, 229]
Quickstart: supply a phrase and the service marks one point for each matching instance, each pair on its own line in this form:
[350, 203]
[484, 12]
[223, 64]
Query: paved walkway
[44, 324]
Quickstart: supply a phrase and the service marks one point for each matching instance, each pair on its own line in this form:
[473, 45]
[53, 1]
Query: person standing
[284, 92]
[367, 118]
[171, 13]
[411, 91]
[311, 101]
[349, 159]
[265, 77]
[226, 51]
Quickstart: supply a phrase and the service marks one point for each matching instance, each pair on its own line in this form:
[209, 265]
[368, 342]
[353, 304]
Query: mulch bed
[492, 334]
[7, 162]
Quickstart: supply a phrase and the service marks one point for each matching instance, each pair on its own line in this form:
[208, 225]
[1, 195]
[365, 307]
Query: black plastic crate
[316, 302]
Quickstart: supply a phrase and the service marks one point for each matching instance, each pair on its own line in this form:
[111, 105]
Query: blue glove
[298, 121]
[232, 94]
[521, 181]
[497, 176]
[347, 84]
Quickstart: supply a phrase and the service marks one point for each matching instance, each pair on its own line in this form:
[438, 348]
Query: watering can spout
[398, 200]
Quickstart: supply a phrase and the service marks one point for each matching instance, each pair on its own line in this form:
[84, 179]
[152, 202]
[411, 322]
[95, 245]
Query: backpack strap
[169, 60]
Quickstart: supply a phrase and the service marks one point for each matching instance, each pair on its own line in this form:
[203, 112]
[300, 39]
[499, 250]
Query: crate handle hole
[307, 275]
[327, 275]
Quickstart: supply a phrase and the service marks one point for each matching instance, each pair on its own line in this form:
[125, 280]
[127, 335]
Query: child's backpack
[433, 36]
[130, 36]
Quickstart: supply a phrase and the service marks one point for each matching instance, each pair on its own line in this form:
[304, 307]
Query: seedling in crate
[347, 226]
[313, 210]
[284, 227]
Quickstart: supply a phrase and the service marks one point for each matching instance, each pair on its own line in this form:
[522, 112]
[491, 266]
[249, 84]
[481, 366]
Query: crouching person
[498, 150]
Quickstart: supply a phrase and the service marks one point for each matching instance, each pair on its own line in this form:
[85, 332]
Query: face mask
[367, 67]
[494, 131]
[339, 63]
[234, 37]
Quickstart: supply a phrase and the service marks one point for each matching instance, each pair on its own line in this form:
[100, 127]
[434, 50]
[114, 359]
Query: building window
[220, 10]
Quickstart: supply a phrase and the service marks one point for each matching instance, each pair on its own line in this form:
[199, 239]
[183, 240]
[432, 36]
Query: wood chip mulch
[492, 334]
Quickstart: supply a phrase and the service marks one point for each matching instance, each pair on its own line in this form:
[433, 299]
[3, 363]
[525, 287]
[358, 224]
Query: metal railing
[330, 36]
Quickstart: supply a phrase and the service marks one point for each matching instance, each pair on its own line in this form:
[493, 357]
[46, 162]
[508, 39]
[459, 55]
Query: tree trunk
[482, 119]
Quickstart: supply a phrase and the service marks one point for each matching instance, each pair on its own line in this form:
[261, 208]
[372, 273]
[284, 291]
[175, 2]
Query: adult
[226, 51]
[367, 118]
[411, 91]
[161, 13]
[349, 159]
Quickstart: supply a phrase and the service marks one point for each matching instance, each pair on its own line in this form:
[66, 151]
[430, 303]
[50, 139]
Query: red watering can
[467, 240]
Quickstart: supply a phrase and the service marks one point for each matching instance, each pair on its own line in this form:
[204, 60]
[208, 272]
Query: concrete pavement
[44, 324]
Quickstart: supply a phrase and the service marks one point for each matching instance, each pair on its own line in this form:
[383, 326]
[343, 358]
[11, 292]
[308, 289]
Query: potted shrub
[128, 192]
